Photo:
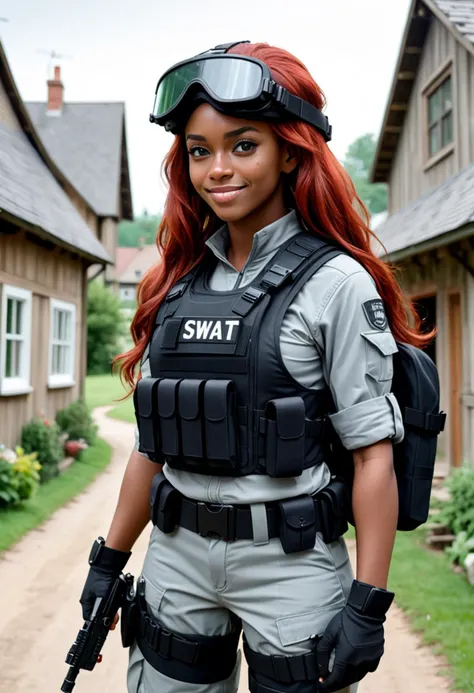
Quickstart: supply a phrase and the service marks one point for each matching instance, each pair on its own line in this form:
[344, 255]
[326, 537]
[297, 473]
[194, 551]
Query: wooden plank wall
[7, 115]
[47, 273]
[408, 179]
[440, 274]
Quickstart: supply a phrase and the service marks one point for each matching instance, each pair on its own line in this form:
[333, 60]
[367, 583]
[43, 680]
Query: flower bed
[47, 448]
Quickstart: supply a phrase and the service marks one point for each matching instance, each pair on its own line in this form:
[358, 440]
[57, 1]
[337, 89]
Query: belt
[230, 522]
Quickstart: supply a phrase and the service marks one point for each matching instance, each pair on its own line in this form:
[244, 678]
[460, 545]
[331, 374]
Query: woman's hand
[358, 642]
[115, 621]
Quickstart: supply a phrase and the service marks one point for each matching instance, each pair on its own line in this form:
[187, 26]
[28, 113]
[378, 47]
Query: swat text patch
[375, 313]
[210, 330]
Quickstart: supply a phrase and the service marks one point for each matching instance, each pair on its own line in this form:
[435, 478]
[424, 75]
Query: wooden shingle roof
[88, 143]
[32, 188]
[460, 13]
[433, 219]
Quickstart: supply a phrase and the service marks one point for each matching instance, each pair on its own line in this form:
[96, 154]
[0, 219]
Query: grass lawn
[439, 603]
[15, 522]
[102, 390]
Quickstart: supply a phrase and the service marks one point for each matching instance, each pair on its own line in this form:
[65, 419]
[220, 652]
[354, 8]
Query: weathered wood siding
[440, 274]
[47, 274]
[7, 115]
[408, 179]
[109, 239]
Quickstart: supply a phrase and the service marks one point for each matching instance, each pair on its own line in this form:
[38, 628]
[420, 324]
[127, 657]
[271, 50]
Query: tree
[105, 327]
[358, 161]
[142, 229]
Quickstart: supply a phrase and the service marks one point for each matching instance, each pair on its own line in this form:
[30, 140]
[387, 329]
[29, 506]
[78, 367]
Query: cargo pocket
[285, 443]
[190, 412]
[304, 628]
[145, 402]
[220, 421]
[379, 346]
[168, 415]
[153, 597]
[135, 670]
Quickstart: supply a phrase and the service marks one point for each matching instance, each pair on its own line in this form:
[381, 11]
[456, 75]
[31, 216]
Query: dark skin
[245, 159]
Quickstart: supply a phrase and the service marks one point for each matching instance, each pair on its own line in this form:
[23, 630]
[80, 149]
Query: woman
[268, 315]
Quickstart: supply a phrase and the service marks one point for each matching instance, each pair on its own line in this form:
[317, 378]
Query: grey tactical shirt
[328, 336]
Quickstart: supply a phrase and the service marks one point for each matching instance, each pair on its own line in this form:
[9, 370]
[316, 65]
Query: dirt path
[42, 577]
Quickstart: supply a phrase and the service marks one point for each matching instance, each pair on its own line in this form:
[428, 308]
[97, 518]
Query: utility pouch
[165, 503]
[220, 421]
[333, 506]
[190, 406]
[168, 416]
[297, 524]
[129, 619]
[285, 442]
[145, 402]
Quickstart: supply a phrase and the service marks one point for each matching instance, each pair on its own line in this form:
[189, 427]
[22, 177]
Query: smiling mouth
[226, 193]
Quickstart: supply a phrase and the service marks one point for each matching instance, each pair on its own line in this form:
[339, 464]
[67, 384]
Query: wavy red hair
[324, 196]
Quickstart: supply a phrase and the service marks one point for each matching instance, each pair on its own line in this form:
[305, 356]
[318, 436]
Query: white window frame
[15, 385]
[56, 380]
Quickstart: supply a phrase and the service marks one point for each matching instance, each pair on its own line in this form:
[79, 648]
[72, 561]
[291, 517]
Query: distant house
[87, 142]
[47, 244]
[131, 265]
[426, 155]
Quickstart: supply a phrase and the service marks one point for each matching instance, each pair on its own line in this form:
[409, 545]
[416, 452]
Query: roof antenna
[53, 56]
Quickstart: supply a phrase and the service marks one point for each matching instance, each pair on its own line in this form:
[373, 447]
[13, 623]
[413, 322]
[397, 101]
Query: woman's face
[235, 165]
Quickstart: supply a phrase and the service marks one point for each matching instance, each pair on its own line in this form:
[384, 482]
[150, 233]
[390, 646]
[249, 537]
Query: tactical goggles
[234, 84]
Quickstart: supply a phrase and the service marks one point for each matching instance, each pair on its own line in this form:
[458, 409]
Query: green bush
[9, 494]
[19, 476]
[76, 421]
[458, 512]
[461, 547]
[27, 471]
[105, 328]
[42, 437]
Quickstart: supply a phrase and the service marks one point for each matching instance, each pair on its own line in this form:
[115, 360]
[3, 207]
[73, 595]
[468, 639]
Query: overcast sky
[116, 50]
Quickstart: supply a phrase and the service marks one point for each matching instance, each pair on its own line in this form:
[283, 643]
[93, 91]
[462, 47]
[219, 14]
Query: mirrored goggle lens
[226, 79]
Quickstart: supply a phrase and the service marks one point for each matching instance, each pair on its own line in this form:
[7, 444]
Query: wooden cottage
[88, 143]
[48, 242]
[426, 155]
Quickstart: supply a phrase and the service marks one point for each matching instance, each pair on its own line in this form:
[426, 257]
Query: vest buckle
[216, 520]
[176, 292]
[246, 302]
[275, 276]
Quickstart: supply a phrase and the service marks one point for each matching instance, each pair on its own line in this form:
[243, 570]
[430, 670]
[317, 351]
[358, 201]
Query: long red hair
[323, 195]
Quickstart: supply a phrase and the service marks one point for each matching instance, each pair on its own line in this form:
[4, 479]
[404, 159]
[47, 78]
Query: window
[138, 274]
[62, 341]
[440, 117]
[15, 341]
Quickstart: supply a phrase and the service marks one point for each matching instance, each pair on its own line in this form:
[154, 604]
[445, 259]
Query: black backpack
[416, 387]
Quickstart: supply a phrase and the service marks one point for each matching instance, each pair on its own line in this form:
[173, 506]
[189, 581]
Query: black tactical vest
[219, 399]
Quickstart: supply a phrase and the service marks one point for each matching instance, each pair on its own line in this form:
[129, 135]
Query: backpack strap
[426, 421]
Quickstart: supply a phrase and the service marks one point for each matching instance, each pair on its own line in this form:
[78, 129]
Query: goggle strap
[309, 113]
[224, 47]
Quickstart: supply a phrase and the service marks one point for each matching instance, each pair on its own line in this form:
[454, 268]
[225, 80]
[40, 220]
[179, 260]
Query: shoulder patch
[375, 314]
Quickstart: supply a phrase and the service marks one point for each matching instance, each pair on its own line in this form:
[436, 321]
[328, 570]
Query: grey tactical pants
[283, 600]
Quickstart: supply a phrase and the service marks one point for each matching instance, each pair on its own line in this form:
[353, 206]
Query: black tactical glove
[106, 565]
[357, 637]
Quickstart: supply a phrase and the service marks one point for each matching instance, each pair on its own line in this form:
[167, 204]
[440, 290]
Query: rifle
[85, 651]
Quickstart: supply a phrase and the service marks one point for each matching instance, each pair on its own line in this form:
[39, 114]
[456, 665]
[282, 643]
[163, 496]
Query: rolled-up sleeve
[357, 348]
